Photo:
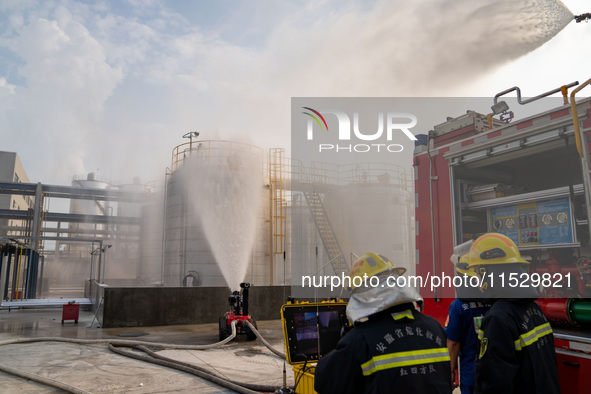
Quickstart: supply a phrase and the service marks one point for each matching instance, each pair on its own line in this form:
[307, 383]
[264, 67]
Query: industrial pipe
[18, 275]
[431, 180]
[575, 115]
[529, 100]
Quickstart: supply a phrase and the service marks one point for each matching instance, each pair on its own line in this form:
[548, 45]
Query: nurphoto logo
[382, 138]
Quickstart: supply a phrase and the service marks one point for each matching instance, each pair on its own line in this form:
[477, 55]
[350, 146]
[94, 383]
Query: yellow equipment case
[310, 331]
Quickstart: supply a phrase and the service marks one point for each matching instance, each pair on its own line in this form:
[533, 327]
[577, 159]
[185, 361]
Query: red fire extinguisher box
[71, 311]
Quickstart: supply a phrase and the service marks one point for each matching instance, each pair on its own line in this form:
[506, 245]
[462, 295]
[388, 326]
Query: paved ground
[94, 368]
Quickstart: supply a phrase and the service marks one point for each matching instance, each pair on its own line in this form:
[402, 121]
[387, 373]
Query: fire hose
[259, 336]
[122, 342]
[43, 380]
[153, 358]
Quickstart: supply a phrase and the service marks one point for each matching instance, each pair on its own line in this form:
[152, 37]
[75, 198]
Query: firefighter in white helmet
[392, 347]
[516, 352]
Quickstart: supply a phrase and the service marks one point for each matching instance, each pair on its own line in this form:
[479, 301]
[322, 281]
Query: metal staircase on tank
[311, 185]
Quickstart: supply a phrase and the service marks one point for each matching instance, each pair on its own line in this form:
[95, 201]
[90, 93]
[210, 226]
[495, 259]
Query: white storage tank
[214, 229]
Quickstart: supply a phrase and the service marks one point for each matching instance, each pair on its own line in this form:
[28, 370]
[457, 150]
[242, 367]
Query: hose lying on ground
[122, 342]
[72, 389]
[203, 373]
[251, 386]
[220, 382]
[259, 336]
[240, 387]
[43, 380]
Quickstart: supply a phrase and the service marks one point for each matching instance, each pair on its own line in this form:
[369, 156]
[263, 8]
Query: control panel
[535, 223]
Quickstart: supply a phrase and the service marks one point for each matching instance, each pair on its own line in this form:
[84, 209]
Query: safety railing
[210, 150]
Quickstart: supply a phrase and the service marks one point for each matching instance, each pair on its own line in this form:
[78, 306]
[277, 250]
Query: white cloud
[67, 78]
[115, 85]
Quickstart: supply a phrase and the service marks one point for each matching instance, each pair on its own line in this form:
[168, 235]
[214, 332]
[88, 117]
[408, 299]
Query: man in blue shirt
[462, 339]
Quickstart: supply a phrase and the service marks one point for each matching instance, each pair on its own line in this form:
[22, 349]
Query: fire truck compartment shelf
[524, 197]
[535, 140]
[573, 335]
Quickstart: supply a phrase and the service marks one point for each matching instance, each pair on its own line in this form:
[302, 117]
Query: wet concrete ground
[94, 368]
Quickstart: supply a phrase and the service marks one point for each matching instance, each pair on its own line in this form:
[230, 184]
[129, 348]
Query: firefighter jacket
[398, 350]
[516, 350]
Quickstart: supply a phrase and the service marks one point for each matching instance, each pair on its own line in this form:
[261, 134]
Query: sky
[112, 86]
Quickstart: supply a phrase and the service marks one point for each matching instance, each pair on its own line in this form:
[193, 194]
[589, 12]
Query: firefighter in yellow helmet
[392, 347]
[516, 353]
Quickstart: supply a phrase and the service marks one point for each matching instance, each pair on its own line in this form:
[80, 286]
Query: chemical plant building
[12, 171]
[196, 231]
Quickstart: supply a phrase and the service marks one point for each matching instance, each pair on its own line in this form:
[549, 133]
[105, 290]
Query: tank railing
[96, 178]
[334, 174]
[372, 173]
[209, 150]
[324, 173]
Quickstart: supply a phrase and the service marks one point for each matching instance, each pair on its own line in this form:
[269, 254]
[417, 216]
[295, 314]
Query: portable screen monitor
[312, 330]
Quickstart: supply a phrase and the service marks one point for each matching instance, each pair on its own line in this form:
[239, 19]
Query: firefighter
[392, 347]
[462, 339]
[516, 353]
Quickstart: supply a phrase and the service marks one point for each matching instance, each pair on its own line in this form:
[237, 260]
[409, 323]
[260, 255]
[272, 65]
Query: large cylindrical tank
[306, 246]
[369, 207]
[379, 219]
[90, 207]
[70, 265]
[131, 208]
[151, 239]
[214, 227]
[124, 258]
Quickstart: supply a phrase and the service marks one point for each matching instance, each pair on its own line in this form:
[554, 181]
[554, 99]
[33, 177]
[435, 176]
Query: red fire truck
[530, 179]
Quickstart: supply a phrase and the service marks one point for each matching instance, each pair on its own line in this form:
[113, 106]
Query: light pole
[190, 136]
[104, 250]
